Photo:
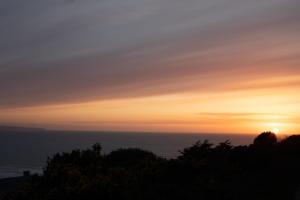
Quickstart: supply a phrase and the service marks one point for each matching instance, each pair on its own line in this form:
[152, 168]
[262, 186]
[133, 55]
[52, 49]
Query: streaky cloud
[57, 52]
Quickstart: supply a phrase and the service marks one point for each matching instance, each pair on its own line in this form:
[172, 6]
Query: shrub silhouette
[129, 157]
[266, 139]
[291, 144]
[266, 169]
[197, 151]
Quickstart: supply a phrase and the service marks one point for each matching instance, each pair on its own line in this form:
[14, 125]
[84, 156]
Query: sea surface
[21, 151]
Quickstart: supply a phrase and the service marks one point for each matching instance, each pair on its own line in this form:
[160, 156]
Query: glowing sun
[276, 131]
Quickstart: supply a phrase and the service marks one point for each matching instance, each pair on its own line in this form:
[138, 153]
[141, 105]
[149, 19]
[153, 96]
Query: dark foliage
[267, 169]
[266, 139]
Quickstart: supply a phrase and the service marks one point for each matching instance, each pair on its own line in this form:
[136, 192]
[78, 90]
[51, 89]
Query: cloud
[55, 52]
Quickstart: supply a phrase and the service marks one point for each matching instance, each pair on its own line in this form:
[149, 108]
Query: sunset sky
[212, 66]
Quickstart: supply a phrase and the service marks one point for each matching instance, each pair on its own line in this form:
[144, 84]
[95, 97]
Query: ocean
[21, 151]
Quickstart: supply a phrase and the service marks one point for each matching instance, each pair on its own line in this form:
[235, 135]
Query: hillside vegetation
[266, 169]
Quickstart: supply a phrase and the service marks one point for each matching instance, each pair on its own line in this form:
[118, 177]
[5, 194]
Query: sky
[210, 66]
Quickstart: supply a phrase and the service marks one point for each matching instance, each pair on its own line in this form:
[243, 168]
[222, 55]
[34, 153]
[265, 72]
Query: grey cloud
[71, 51]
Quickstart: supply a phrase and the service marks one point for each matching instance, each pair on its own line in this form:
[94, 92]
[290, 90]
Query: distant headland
[20, 129]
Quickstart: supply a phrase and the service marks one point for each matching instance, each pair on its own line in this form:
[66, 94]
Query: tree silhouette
[264, 170]
[265, 139]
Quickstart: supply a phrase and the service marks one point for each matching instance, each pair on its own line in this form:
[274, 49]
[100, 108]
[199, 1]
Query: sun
[276, 131]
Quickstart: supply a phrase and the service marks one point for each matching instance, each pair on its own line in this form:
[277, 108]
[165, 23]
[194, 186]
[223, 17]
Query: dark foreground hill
[266, 169]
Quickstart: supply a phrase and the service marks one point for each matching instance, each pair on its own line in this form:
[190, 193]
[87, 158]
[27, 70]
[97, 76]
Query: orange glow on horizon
[250, 111]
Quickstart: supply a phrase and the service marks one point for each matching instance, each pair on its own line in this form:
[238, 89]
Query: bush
[267, 169]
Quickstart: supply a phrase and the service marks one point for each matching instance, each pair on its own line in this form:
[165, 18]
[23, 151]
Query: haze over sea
[28, 150]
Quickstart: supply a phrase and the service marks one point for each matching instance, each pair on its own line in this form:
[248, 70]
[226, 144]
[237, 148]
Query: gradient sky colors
[230, 66]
